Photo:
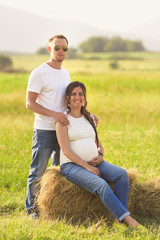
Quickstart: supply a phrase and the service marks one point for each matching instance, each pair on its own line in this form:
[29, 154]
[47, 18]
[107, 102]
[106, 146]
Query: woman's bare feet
[131, 222]
[119, 225]
[117, 221]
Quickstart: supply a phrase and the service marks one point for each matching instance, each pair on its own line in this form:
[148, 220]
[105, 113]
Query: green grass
[127, 102]
[127, 61]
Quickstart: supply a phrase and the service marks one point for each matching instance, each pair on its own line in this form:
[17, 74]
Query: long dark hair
[84, 111]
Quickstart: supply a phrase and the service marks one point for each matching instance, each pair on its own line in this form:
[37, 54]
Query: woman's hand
[96, 160]
[91, 169]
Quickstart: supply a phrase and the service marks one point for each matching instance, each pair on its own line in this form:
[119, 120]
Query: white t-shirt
[81, 139]
[51, 85]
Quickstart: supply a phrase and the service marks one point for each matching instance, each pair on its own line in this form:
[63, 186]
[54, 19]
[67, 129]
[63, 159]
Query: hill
[25, 32]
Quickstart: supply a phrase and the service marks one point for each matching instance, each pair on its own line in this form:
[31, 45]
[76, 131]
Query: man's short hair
[57, 36]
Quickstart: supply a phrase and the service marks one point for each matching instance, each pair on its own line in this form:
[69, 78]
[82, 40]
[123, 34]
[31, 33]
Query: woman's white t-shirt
[81, 139]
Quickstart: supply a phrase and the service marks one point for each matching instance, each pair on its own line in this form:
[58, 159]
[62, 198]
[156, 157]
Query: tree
[115, 44]
[42, 51]
[134, 46]
[114, 64]
[94, 44]
[72, 53]
[5, 62]
[138, 46]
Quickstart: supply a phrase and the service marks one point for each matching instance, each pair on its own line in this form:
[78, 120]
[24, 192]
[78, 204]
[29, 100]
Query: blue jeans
[44, 143]
[116, 202]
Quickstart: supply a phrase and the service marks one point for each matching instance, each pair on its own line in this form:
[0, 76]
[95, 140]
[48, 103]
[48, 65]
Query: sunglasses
[58, 47]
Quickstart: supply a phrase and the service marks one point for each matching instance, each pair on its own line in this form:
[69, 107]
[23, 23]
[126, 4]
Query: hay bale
[144, 198]
[60, 198]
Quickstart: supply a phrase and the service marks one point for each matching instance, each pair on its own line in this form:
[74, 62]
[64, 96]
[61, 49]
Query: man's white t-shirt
[51, 85]
[81, 137]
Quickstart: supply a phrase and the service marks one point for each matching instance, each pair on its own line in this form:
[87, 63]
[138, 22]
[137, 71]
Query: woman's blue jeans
[116, 202]
[44, 143]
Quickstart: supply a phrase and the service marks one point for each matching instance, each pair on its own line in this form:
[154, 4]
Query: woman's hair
[84, 111]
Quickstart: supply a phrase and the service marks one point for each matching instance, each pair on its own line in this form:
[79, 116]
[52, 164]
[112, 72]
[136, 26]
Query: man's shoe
[33, 216]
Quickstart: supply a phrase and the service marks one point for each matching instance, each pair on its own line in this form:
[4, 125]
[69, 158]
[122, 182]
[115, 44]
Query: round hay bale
[60, 198]
[144, 198]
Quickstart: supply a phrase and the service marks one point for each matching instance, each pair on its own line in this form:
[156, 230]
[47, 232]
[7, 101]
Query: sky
[117, 15]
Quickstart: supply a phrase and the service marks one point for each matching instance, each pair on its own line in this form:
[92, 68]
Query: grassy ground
[127, 62]
[127, 101]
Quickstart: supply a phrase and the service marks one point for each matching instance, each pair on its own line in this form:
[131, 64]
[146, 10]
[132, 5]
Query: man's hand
[61, 118]
[96, 160]
[96, 119]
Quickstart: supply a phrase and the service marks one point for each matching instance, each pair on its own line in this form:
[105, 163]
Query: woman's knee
[102, 186]
[124, 174]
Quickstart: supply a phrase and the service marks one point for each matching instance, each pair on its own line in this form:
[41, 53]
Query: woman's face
[77, 98]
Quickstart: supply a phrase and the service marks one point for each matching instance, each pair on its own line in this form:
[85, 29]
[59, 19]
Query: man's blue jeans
[116, 202]
[44, 143]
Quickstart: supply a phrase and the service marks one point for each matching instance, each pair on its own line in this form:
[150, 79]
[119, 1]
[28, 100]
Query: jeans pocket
[46, 138]
[34, 139]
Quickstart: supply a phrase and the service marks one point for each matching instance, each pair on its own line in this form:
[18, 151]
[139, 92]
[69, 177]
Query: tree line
[114, 44]
[92, 45]
[102, 45]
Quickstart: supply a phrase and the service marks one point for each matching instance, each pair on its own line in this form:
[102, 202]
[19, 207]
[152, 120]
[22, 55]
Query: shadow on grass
[10, 208]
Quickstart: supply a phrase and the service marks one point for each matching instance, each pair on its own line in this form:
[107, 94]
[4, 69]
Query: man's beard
[59, 60]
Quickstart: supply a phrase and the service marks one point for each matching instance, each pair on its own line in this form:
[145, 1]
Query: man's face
[60, 55]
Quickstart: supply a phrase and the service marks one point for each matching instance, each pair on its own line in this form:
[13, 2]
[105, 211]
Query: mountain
[25, 32]
[149, 33]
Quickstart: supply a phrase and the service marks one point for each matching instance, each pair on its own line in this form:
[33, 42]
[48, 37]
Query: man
[45, 96]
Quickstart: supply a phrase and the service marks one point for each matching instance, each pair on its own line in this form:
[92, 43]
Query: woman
[81, 157]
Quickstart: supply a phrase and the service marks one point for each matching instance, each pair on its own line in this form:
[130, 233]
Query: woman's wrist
[84, 164]
[81, 164]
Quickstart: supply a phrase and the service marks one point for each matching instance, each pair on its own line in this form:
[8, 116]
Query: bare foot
[117, 221]
[131, 222]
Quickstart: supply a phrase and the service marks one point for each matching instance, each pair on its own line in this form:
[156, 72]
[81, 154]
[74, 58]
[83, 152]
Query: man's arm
[95, 119]
[37, 108]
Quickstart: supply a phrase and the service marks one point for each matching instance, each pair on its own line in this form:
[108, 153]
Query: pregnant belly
[86, 148]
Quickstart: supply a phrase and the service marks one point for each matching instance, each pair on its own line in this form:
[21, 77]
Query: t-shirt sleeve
[34, 82]
[68, 77]
[54, 123]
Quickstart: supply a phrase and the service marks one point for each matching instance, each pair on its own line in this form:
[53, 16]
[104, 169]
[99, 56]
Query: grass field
[127, 102]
